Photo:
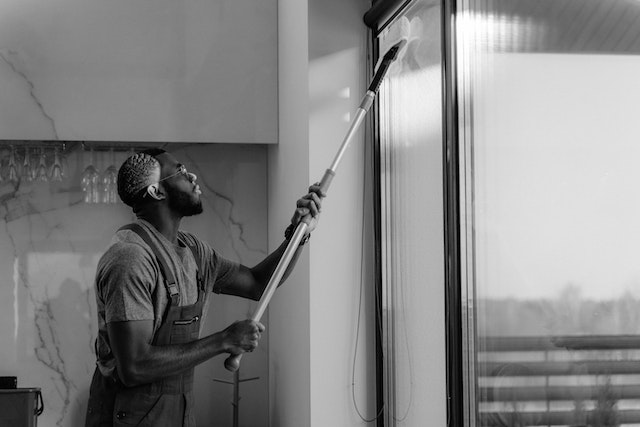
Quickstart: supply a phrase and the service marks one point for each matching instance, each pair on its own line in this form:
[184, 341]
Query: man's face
[183, 194]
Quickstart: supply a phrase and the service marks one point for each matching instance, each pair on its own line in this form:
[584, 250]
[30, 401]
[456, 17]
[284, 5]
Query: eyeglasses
[181, 170]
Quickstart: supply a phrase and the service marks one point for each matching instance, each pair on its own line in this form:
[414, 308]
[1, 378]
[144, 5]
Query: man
[151, 286]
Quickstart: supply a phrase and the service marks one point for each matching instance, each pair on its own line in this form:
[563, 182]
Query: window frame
[459, 406]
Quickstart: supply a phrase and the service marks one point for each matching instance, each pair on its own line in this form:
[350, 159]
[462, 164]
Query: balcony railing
[559, 381]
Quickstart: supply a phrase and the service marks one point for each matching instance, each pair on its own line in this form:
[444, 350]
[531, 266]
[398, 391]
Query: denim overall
[164, 403]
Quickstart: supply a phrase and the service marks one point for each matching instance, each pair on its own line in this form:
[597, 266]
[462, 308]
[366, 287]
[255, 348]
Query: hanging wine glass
[90, 182]
[26, 174]
[2, 171]
[41, 171]
[109, 181]
[13, 175]
[56, 170]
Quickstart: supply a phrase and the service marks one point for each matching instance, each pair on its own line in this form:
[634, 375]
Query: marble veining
[7, 56]
[50, 243]
[128, 71]
[242, 243]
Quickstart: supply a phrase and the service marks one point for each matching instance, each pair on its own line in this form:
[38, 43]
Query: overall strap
[169, 279]
[194, 251]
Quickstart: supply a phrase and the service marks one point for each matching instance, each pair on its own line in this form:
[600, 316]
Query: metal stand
[236, 393]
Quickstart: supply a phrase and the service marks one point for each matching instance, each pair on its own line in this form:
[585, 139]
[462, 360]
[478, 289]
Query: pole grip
[232, 363]
[326, 180]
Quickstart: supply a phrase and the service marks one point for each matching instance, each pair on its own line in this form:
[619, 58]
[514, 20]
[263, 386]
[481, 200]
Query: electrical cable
[400, 286]
[402, 25]
[362, 262]
[406, 342]
[378, 297]
[400, 36]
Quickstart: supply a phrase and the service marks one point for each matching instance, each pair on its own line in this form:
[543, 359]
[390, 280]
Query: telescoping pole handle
[232, 363]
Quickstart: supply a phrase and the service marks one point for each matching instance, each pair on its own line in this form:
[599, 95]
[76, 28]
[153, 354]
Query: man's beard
[184, 203]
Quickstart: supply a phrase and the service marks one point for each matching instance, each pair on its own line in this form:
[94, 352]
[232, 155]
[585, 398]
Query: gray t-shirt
[130, 285]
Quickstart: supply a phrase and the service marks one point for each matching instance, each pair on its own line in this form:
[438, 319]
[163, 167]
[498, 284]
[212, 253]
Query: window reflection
[411, 157]
[556, 211]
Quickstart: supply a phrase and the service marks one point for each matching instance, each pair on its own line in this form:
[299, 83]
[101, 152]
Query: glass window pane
[550, 94]
[411, 152]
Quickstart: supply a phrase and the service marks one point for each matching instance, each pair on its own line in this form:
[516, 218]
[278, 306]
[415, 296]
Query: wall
[288, 176]
[194, 70]
[337, 82]
[313, 318]
[50, 242]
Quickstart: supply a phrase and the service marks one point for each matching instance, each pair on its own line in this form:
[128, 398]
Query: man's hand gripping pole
[232, 363]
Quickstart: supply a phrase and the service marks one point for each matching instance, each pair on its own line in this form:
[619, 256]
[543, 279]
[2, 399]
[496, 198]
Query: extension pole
[232, 363]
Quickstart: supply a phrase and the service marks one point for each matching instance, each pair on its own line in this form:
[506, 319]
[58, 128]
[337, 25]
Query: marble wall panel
[50, 243]
[189, 71]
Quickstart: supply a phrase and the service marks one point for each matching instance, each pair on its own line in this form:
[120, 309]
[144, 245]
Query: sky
[557, 175]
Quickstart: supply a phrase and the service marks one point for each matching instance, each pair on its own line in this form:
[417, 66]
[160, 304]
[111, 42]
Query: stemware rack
[47, 161]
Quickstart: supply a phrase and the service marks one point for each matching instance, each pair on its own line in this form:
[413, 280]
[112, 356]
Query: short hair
[135, 175]
[153, 152]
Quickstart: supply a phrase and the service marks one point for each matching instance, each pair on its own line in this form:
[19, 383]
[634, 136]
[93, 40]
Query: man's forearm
[162, 361]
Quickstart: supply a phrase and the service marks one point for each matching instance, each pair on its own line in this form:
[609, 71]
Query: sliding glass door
[550, 148]
[538, 232]
[412, 221]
